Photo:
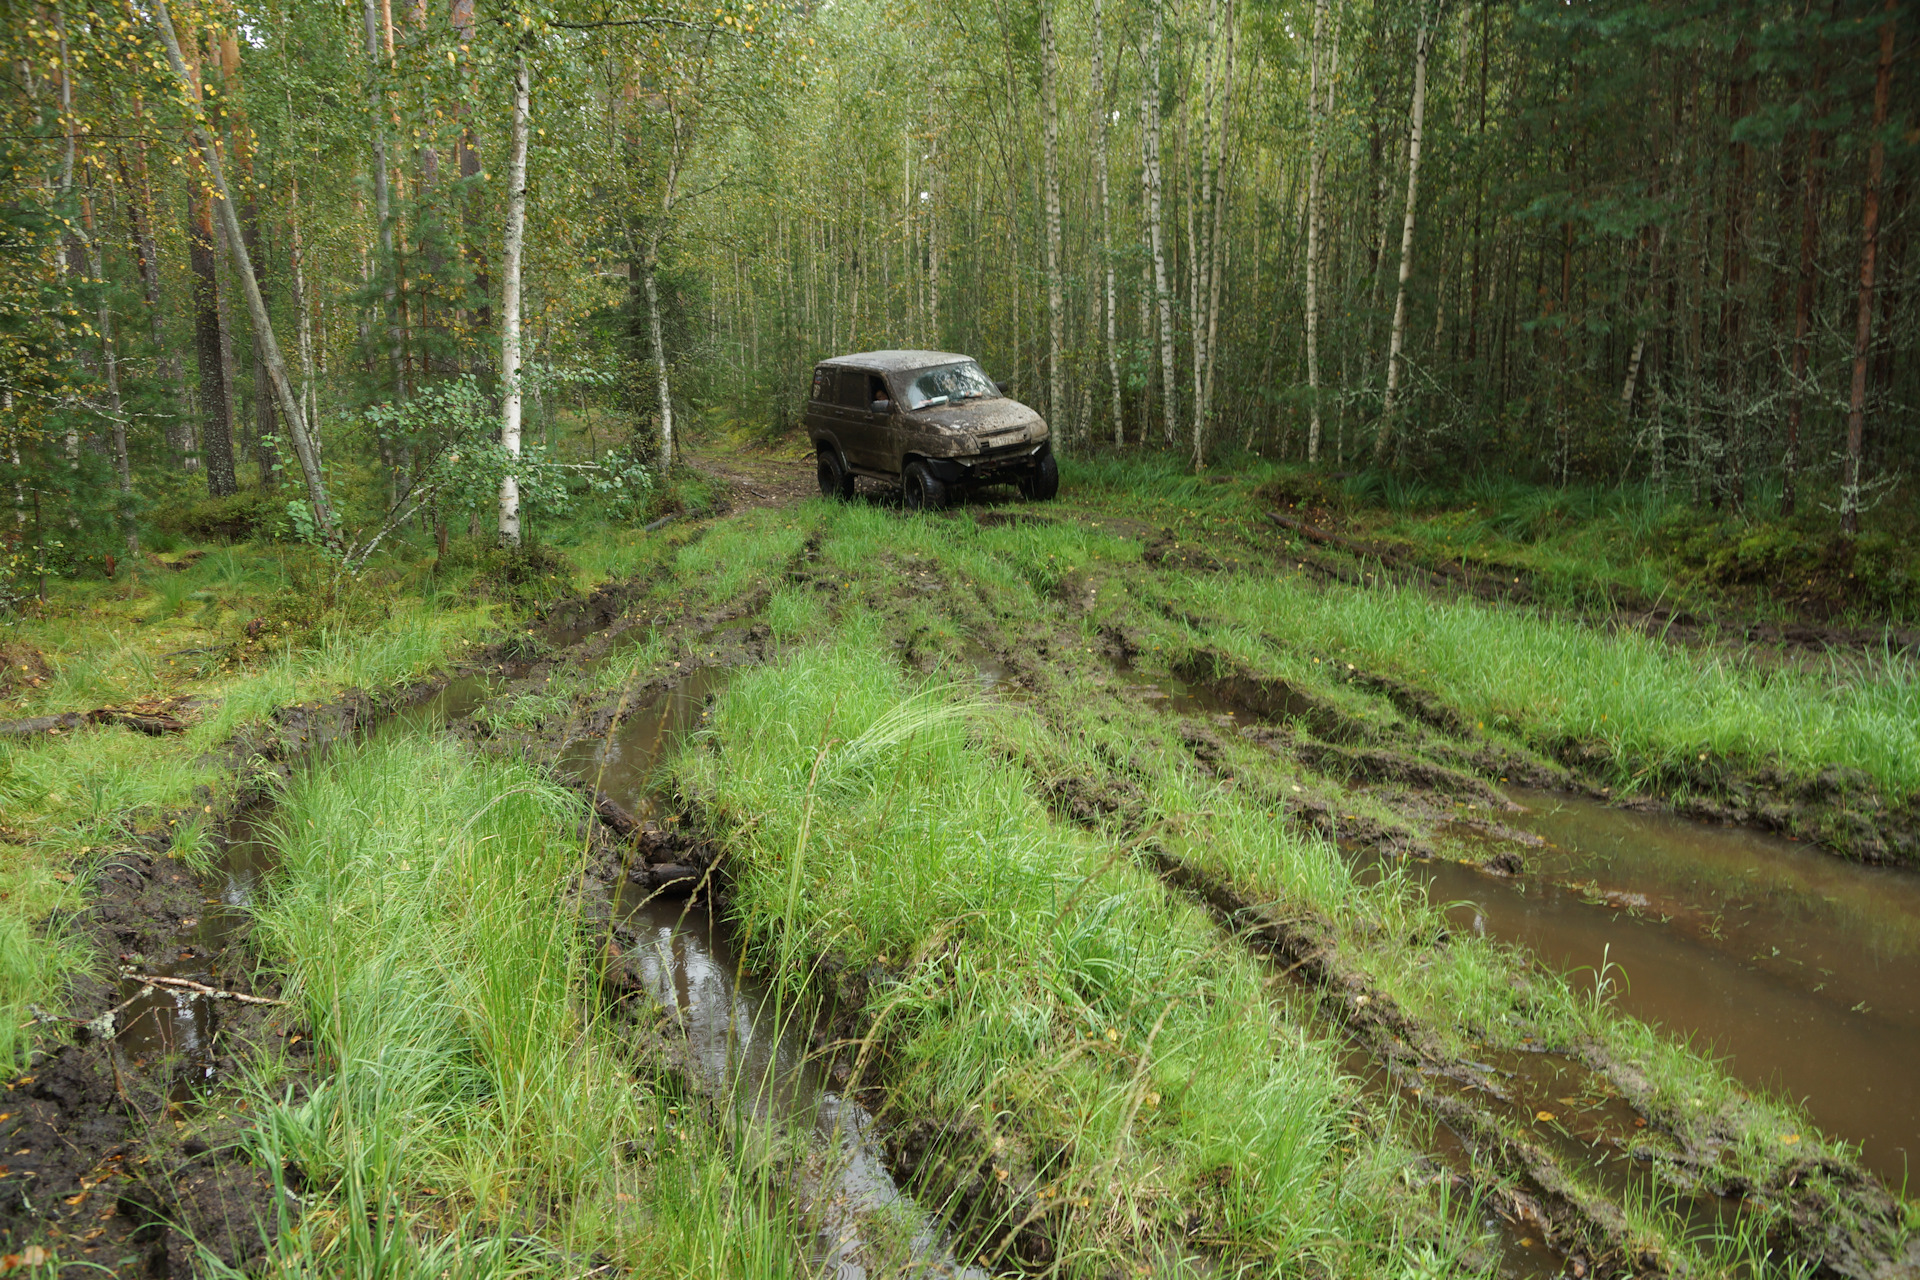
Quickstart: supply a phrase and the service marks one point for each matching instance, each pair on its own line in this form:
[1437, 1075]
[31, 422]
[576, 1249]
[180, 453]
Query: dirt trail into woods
[100, 1167]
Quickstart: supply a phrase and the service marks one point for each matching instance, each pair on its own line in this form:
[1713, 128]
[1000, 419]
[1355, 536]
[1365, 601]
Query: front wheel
[920, 490]
[1041, 483]
[835, 480]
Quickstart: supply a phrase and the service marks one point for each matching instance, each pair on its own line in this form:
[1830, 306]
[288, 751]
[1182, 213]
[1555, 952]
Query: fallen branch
[150, 723]
[201, 988]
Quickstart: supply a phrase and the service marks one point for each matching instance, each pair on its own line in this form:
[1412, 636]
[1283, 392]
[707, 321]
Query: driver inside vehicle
[881, 399]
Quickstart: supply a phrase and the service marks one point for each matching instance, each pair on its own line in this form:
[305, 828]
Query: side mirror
[881, 406]
[1001, 387]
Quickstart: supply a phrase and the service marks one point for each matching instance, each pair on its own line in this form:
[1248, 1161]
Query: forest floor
[1103, 857]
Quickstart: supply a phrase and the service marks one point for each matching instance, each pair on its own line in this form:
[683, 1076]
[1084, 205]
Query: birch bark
[1316, 172]
[110, 366]
[1216, 245]
[1156, 224]
[510, 299]
[1056, 292]
[1099, 97]
[1397, 342]
[383, 200]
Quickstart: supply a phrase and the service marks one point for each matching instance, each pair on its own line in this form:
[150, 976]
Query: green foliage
[474, 1116]
[247, 516]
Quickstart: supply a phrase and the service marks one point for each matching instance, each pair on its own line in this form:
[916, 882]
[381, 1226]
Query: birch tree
[510, 303]
[1056, 290]
[1397, 342]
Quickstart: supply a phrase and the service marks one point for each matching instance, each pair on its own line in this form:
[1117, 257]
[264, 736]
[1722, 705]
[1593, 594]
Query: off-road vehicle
[930, 421]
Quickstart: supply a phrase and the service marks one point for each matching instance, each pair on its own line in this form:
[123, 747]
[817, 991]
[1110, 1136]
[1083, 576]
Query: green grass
[1545, 679]
[1144, 1088]
[470, 1112]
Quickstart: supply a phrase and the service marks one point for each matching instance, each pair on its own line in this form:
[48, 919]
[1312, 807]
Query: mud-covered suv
[930, 420]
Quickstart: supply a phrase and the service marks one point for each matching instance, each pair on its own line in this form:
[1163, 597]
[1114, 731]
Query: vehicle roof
[896, 361]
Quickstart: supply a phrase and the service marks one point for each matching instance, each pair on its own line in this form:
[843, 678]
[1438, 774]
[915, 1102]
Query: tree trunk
[1216, 245]
[110, 367]
[1056, 290]
[1397, 341]
[1811, 192]
[309, 390]
[1869, 247]
[1099, 100]
[1316, 171]
[256, 306]
[1156, 224]
[216, 412]
[240, 149]
[510, 299]
[383, 201]
[140, 222]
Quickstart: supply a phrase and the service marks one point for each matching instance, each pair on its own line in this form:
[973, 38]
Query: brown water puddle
[625, 762]
[1800, 971]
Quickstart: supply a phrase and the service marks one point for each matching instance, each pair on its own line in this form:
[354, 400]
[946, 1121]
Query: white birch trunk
[1316, 170]
[1216, 244]
[1106, 225]
[1156, 225]
[1397, 341]
[1056, 292]
[510, 304]
[297, 255]
[256, 306]
[110, 367]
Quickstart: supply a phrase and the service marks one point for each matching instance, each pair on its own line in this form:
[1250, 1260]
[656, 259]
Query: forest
[1435, 794]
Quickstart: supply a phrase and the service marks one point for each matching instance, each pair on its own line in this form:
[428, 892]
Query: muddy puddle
[1176, 696]
[161, 1023]
[740, 1040]
[748, 1048]
[1800, 971]
[625, 762]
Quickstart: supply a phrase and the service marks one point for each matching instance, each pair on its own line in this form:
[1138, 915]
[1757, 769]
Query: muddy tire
[835, 480]
[920, 491]
[1043, 482]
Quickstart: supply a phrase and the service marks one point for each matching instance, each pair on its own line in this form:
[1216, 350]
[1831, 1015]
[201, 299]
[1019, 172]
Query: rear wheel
[835, 480]
[1041, 483]
[920, 490]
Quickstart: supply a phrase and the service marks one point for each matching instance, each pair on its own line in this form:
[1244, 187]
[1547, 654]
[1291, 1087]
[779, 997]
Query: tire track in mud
[115, 1157]
[1588, 1227]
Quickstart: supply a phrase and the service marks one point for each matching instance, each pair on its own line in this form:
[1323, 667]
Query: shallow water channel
[1801, 971]
[740, 1042]
[743, 1044]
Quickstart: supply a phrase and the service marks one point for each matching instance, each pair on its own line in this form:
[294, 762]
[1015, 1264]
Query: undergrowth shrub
[527, 576]
[251, 515]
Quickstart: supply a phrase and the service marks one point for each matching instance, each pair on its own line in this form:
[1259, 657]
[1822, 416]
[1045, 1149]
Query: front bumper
[990, 466]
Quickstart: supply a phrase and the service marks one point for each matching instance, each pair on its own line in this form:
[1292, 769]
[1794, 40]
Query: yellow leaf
[1543, 1115]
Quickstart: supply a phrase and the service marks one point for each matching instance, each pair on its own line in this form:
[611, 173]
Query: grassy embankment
[1598, 547]
[221, 636]
[469, 1111]
[1641, 713]
[996, 864]
[891, 868]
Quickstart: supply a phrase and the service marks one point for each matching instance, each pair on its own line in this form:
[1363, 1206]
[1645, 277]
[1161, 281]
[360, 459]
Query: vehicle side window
[852, 389]
[823, 383]
[877, 389]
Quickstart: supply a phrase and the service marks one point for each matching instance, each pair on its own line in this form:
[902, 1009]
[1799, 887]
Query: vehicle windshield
[948, 383]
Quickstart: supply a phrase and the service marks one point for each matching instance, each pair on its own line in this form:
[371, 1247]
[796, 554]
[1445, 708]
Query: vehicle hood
[997, 417]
